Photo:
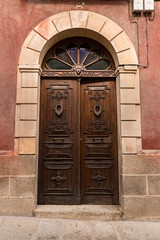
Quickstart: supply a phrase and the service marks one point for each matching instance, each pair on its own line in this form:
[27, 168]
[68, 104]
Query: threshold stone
[81, 212]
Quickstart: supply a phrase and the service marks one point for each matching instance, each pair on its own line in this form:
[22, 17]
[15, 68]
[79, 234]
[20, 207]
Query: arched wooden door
[78, 126]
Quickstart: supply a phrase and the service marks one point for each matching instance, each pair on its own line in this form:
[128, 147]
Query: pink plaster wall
[19, 17]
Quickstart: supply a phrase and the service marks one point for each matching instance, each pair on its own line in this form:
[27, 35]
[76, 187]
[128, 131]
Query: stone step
[80, 212]
[29, 228]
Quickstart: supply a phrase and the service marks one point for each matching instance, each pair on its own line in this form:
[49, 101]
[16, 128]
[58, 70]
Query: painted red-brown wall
[19, 17]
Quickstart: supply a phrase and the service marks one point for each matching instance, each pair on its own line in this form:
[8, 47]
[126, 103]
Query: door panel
[58, 171]
[98, 142]
[74, 111]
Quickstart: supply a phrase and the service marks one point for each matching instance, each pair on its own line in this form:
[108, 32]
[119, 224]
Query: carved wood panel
[71, 172]
[98, 142]
[58, 143]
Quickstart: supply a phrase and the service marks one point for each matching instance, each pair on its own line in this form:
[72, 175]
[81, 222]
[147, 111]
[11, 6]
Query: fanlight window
[83, 52]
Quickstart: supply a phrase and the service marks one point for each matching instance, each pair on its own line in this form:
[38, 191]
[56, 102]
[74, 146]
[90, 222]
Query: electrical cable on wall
[137, 15]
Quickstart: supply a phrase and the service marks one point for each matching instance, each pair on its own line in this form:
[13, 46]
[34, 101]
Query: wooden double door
[78, 142]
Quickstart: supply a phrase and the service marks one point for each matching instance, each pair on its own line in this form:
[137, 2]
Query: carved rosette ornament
[99, 178]
[58, 179]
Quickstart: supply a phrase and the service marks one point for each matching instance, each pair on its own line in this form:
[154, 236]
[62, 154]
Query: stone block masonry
[141, 185]
[17, 185]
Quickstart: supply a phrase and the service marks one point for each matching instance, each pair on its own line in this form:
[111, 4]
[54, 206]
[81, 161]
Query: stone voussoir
[46, 29]
[95, 25]
[29, 56]
[61, 21]
[121, 42]
[79, 18]
[37, 42]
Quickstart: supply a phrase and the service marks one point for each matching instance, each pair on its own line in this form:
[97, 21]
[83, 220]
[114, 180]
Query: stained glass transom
[78, 51]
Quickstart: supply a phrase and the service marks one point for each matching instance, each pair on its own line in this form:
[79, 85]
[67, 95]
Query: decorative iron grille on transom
[78, 56]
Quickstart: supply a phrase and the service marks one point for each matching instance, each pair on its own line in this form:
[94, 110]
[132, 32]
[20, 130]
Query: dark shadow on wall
[78, 2]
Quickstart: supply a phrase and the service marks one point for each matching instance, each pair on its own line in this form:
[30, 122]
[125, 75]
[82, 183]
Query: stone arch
[39, 41]
[62, 25]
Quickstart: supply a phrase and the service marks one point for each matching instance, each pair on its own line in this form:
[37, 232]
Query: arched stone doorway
[112, 37]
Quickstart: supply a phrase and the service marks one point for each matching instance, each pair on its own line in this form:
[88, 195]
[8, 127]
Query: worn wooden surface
[78, 142]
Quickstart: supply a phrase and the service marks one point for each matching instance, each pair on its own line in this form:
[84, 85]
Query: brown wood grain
[99, 142]
[78, 142]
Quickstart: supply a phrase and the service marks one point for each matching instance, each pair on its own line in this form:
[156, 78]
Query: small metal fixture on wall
[148, 5]
[80, 4]
[137, 5]
[143, 5]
